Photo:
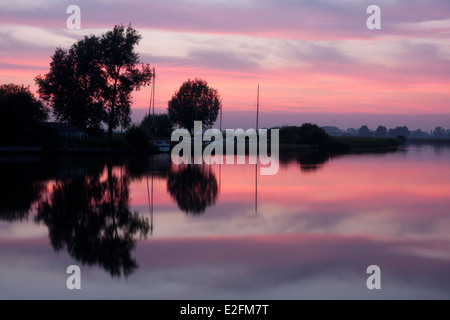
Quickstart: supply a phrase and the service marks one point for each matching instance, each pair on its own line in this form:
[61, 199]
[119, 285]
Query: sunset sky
[316, 61]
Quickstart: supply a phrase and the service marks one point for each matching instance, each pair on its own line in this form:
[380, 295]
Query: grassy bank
[429, 140]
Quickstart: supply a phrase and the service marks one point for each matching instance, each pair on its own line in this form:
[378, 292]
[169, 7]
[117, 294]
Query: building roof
[62, 127]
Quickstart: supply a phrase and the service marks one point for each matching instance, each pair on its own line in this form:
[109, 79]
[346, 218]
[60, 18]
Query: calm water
[146, 229]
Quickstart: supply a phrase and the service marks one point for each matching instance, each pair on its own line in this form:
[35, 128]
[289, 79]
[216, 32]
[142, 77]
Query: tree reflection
[312, 161]
[309, 160]
[90, 217]
[139, 167]
[19, 191]
[193, 187]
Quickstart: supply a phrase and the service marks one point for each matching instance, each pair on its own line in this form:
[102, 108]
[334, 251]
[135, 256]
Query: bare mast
[256, 165]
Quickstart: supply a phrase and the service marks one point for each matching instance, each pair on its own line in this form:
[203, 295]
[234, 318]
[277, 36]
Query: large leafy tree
[73, 86]
[195, 100]
[19, 110]
[123, 73]
[91, 83]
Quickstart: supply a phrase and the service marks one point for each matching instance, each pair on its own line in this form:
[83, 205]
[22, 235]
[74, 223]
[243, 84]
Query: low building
[64, 129]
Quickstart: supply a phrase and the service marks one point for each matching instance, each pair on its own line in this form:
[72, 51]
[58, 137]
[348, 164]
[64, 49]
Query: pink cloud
[322, 72]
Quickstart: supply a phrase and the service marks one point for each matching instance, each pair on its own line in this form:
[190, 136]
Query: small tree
[439, 132]
[195, 100]
[364, 131]
[19, 110]
[381, 132]
[159, 125]
[307, 133]
[399, 131]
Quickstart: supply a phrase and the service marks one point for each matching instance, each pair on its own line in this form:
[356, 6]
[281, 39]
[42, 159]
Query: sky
[315, 61]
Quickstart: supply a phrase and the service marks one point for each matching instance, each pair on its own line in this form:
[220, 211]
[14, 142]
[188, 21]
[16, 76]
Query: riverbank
[348, 144]
[429, 141]
[114, 145]
[365, 143]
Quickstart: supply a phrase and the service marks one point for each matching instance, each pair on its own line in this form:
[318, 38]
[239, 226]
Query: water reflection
[18, 197]
[139, 167]
[89, 216]
[193, 187]
[90, 207]
[313, 160]
[85, 202]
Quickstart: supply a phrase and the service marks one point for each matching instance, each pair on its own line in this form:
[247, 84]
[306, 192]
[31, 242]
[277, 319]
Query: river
[144, 228]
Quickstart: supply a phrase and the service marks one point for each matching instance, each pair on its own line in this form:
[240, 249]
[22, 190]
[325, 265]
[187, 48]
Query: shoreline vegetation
[311, 136]
[292, 139]
[88, 91]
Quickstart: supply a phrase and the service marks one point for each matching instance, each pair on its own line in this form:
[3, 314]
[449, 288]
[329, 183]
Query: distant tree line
[403, 131]
[311, 136]
[383, 132]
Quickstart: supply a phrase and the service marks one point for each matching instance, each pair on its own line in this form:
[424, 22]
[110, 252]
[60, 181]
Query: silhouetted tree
[19, 110]
[381, 132]
[124, 73]
[138, 137]
[307, 133]
[92, 82]
[419, 134]
[90, 217]
[364, 131]
[74, 85]
[195, 100]
[399, 132]
[193, 187]
[439, 132]
[160, 126]
[351, 132]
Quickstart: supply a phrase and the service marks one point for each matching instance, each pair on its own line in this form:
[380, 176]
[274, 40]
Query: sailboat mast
[221, 118]
[256, 164]
[257, 111]
[150, 203]
[153, 100]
